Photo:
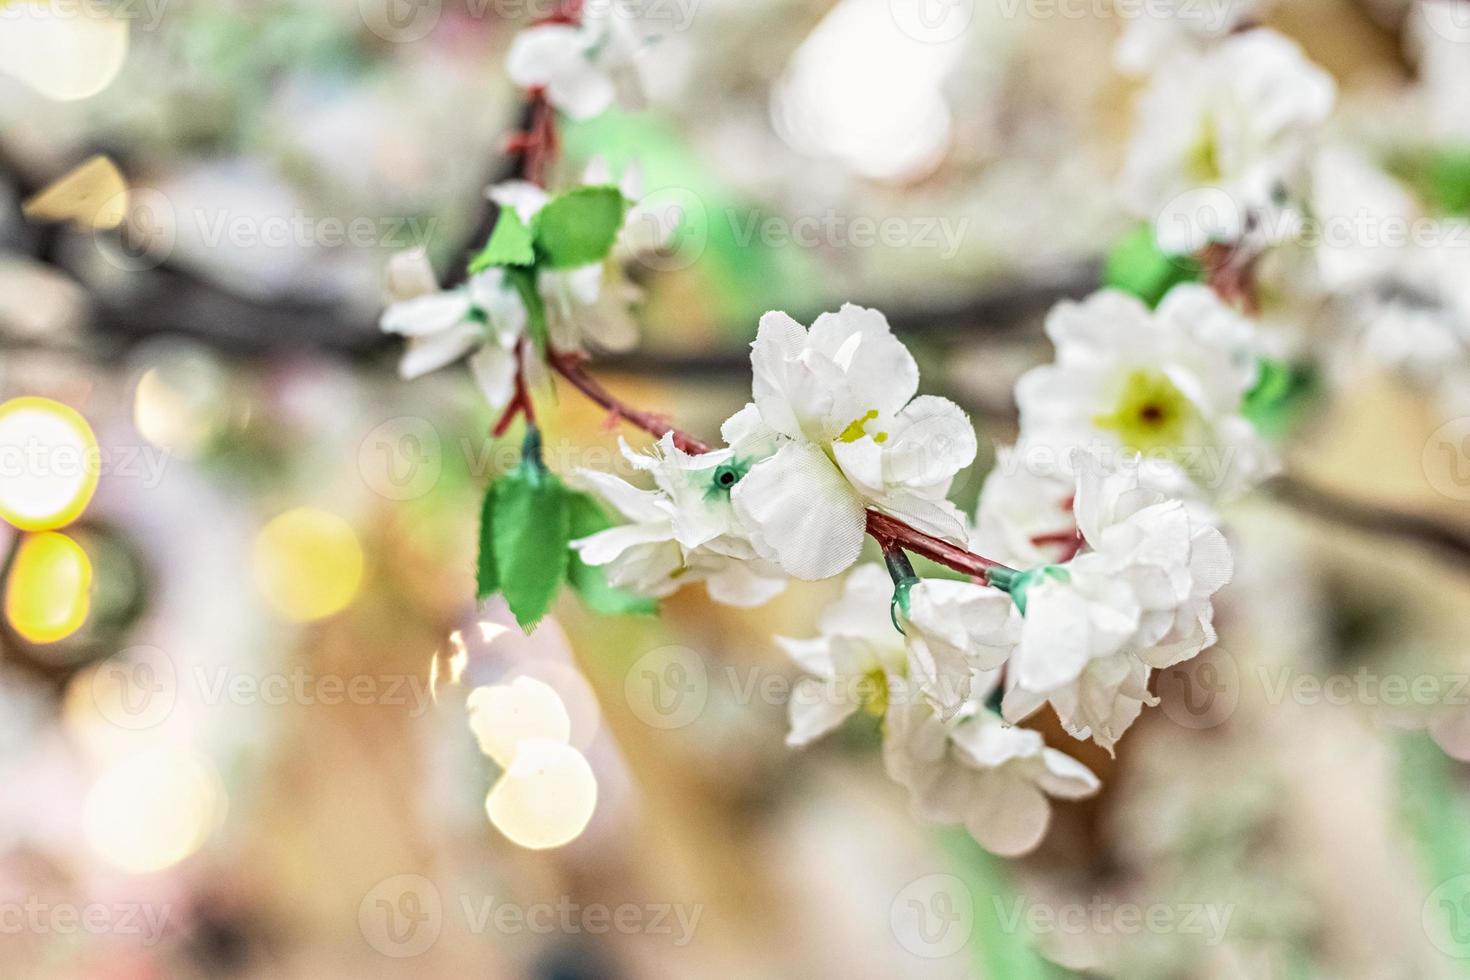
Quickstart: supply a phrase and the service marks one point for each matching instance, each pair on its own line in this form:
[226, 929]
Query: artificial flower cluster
[1092, 559]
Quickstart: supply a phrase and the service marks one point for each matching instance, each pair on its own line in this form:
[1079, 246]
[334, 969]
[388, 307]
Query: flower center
[1151, 413]
[1202, 163]
[858, 428]
[873, 691]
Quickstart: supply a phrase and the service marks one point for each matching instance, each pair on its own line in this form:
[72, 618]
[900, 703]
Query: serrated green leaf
[529, 534]
[579, 227]
[510, 243]
[588, 518]
[1137, 265]
[487, 580]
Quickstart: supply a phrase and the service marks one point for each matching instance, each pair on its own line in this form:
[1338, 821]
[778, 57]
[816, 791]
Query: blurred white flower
[853, 435]
[484, 316]
[1172, 27]
[952, 633]
[1167, 383]
[978, 771]
[685, 530]
[583, 67]
[1139, 598]
[1222, 142]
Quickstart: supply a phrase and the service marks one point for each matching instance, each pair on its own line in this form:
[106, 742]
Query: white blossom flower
[1138, 599]
[1162, 30]
[684, 530]
[484, 318]
[583, 67]
[590, 304]
[978, 771]
[1222, 140]
[952, 633]
[853, 436]
[1168, 384]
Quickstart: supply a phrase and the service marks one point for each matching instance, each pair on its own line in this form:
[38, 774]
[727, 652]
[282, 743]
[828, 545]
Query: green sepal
[523, 280]
[1019, 583]
[487, 578]
[590, 582]
[579, 227]
[1138, 266]
[510, 243]
[529, 531]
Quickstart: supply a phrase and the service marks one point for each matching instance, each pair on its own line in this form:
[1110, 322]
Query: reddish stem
[886, 530]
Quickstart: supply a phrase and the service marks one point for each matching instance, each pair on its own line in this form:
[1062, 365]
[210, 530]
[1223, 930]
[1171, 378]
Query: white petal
[410, 275]
[607, 546]
[522, 195]
[540, 53]
[801, 513]
[494, 369]
[1007, 815]
[424, 315]
[642, 506]
[582, 92]
[931, 441]
[434, 351]
[737, 584]
[816, 708]
[877, 364]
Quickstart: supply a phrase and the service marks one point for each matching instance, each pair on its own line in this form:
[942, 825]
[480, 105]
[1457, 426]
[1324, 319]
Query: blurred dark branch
[1332, 508]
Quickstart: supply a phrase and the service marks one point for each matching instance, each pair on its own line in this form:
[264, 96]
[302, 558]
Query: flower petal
[801, 513]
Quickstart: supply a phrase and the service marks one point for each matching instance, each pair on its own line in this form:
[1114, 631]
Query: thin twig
[1360, 515]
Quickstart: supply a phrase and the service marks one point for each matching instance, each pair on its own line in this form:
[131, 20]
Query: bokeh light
[503, 715]
[64, 51]
[152, 810]
[308, 564]
[180, 403]
[49, 592]
[49, 463]
[547, 796]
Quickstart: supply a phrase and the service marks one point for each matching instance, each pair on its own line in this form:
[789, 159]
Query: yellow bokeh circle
[49, 591]
[308, 564]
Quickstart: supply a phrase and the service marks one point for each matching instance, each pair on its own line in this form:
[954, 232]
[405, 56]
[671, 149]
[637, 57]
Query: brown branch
[1370, 518]
[887, 530]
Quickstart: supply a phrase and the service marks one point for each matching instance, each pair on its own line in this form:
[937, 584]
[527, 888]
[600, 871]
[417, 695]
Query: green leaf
[999, 948]
[486, 577]
[1449, 181]
[587, 518]
[579, 227]
[528, 536]
[1137, 265]
[510, 243]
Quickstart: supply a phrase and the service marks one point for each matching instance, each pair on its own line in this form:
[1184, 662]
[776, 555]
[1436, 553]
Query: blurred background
[229, 741]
